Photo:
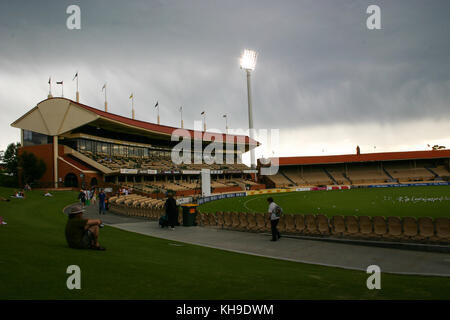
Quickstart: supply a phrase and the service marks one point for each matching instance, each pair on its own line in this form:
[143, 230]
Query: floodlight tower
[248, 63]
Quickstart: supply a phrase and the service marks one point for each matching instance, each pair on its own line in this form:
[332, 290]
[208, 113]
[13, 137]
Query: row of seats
[136, 201]
[363, 227]
[152, 213]
[155, 162]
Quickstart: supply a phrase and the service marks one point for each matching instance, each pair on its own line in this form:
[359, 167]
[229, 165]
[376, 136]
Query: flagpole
[106, 102]
[158, 113]
[181, 111]
[226, 122]
[132, 106]
[50, 87]
[78, 93]
[204, 120]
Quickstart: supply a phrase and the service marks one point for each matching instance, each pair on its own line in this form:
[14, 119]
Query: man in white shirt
[274, 218]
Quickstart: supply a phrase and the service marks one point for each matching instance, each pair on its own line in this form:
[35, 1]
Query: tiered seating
[366, 174]
[316, 176]
[136, 205]
[441, 171]
[371, 228]
[294, 175]
[280, 181]
[407, 174]
[155, 163]
[338, 173]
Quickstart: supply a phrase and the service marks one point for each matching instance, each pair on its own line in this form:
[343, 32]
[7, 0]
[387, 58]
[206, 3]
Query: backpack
[278, 211]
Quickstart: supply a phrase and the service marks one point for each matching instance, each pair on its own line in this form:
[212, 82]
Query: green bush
[9, 181]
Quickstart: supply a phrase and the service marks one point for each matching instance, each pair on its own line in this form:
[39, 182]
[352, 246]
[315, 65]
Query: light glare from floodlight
[248, 60]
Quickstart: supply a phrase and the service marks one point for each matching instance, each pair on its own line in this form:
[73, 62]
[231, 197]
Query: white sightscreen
[206, 182]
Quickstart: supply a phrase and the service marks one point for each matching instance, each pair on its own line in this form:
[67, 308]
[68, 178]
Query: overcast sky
[323, 78]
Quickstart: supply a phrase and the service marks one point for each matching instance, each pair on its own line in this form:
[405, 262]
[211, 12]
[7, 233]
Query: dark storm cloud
[318, 62]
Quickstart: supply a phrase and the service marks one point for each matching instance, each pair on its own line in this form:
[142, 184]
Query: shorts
[86, 241]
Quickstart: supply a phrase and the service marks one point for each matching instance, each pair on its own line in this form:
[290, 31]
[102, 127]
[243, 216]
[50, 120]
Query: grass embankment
[34, 258]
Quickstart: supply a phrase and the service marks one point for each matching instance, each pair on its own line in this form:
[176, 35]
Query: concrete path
[348, 256]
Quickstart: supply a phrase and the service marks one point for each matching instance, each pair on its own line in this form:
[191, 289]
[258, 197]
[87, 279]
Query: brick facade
[65, 167]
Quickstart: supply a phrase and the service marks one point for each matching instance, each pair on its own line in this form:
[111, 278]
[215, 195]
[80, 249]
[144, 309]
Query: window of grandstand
[31, 138]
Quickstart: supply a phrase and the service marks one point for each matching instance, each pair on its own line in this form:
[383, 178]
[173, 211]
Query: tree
[10, 158]
[32, 167]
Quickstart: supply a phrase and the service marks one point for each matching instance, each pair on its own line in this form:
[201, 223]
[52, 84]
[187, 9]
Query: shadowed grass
[34, 258]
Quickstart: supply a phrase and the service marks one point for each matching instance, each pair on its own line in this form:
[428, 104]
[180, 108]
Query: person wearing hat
[82, 233]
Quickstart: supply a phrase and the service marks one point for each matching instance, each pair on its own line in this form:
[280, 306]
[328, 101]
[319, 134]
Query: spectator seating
[338, 225]
[409, 229]
[366, 227]
[351, 226]
[299, 223]
[251, 219]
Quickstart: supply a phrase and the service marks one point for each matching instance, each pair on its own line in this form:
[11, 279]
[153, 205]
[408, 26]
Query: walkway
[348, 256]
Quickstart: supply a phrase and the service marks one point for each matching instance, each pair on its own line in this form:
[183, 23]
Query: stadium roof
[56, 116]
[365, 157]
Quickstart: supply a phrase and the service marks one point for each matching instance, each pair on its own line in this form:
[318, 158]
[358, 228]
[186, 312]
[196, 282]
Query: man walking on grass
[275, 212]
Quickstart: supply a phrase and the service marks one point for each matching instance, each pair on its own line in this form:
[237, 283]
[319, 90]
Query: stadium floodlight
[248, 63]
[248, 60]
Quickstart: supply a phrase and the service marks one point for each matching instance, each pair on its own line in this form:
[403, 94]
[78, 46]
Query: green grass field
[432, 201]
[34, 258]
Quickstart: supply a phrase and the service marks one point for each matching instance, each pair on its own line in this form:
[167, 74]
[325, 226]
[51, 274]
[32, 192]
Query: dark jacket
[82, 196]
[171, 206]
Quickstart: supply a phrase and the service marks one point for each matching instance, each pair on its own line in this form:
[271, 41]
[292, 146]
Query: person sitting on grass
[19, 195]
[82, 233]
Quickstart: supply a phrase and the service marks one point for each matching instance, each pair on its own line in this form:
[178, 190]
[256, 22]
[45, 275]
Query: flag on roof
[156, 104]
[131, 96]
[59, 82]
[76, 76]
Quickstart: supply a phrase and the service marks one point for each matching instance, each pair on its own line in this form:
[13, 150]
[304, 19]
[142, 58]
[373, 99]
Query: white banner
[191, 171]
[250, 171]
[184, 200]
[129, 171]
[303, 189]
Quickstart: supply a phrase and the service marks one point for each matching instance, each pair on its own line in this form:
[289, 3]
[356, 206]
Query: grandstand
[83, 146]
[361, 169]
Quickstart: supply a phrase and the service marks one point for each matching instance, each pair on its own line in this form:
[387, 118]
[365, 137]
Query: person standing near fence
[82, 197]
[171, 210]
[275, 213]
[101, 202]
